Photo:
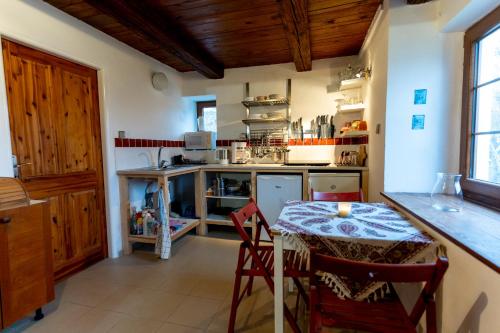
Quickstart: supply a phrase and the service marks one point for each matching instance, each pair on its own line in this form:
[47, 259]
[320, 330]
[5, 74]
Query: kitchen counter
[249, 167]
[201, 174]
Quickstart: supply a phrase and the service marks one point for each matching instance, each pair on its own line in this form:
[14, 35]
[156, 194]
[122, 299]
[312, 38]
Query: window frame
[478, 191]
[201, 105]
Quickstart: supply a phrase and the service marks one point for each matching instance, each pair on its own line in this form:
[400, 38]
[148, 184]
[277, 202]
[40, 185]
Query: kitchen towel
[163, 241]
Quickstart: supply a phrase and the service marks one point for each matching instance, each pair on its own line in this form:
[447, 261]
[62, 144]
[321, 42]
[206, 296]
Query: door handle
[5, 220]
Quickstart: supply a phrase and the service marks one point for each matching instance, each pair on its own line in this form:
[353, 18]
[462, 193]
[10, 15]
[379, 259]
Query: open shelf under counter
[216, 219]
[142, 239]
[233, 197]
[190, 225]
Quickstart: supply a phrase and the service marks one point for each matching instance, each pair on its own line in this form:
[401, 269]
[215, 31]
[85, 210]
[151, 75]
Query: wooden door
[55, 132]
[26, 273]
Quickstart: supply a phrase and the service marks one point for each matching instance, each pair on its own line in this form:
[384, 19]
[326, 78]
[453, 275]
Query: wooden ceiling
[211, 35]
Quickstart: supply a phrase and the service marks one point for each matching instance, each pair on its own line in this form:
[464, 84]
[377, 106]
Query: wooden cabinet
[26, 270]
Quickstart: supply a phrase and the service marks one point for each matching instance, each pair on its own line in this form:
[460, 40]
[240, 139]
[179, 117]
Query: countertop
[249, 167]
[475, 229]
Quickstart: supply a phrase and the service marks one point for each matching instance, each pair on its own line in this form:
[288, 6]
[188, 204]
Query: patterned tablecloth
[374, 232]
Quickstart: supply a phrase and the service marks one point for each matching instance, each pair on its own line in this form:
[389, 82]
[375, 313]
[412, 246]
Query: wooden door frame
[100, 132]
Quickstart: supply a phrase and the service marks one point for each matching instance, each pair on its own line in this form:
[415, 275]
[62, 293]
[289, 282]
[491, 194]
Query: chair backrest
[330, 196]
[430, 273]
[241, 216]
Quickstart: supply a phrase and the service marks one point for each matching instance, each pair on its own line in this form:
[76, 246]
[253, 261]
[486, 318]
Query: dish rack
[265, 142]
[267, 138]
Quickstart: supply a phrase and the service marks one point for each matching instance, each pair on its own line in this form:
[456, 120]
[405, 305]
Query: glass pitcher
[447, 193]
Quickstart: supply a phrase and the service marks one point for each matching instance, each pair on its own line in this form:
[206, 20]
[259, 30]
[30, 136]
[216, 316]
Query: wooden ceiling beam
[153, 26]
[296, 24]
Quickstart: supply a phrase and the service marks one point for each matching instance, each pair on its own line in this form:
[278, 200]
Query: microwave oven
[202, 140]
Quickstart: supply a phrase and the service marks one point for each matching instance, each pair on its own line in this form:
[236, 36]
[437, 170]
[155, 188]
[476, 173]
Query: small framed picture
[417, 122]
[420, 96]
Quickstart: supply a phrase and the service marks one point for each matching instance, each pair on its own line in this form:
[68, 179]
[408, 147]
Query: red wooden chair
[386, 315]
[262, 263]
[337, 197]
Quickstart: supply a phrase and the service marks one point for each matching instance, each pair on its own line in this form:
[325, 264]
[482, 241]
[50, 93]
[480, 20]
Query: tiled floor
[191, 292]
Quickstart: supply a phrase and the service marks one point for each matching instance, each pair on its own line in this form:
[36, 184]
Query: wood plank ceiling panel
[240, 33]
[235, 32]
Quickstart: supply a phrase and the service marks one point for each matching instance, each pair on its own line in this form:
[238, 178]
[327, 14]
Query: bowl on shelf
[249, 99]
[276, 96]
[261, 98]
[232, 189]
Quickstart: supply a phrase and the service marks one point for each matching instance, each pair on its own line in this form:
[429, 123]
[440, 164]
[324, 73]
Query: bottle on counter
[133, 221]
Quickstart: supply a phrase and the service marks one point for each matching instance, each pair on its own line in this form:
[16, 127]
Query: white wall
[421, 57]
[425, 51]
[415, 58]
[311, 96]
[311, 91]
[374, 55]
[459, 15]
[128, 101]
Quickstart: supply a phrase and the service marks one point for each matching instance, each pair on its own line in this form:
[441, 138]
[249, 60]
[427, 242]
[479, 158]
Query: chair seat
[293, 266]
[387, 315]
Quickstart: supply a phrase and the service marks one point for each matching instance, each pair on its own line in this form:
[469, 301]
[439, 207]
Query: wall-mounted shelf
[351, 84]
[269, 102]
[353, 133]
[253, 124]
[283, 122]
[347, 108]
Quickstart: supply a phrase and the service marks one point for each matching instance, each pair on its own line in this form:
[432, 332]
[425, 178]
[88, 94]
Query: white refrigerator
[272, 193]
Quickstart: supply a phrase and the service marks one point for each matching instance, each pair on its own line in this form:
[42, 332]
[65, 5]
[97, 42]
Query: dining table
[371, 232]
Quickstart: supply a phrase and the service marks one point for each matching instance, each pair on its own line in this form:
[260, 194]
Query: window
[480, 146]
[207, 116]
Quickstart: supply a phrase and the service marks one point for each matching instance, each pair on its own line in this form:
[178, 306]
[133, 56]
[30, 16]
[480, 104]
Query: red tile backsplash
[126, 143]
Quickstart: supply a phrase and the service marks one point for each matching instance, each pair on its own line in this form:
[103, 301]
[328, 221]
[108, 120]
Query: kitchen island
[199, 182]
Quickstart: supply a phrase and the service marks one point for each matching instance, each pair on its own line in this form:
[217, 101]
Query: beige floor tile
[172, 328]
[97, 321]
[125, 299]
[190, 292]
[133, 325]
[143, 303]
[195, 312]
[212, 288]
[159, 306]
[61, 319]
[182, 282]
[83, 291]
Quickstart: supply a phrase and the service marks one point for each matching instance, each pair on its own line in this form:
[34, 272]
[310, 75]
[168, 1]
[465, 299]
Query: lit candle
[344, 209]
